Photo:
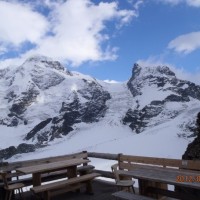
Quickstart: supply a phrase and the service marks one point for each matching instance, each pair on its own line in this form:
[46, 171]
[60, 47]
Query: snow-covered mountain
[45, 105]
[159, 97]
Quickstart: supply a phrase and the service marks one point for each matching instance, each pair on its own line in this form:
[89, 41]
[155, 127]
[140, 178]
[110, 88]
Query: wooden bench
[61, 186]
[130, 162]
[16, 177]
[130, 196]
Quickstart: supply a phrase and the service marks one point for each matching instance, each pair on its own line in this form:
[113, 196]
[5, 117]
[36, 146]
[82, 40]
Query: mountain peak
[44, 61]
[139, 70]
[39, 58]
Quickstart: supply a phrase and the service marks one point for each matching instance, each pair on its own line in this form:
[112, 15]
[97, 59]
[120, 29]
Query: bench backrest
[14, 165]
[129, 162]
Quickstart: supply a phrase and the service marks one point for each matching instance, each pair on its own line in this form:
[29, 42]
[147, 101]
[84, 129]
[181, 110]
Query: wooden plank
[164, 176]
[72, 171]
[107, 156]
[145, 184]
[130, 196]
[106, 174]
[64, 183]
[13, 165]
[173, 194]
[150, 160]
[36, 179]
[66, 189]
[132, 166]
[51, 166]
[165, 162]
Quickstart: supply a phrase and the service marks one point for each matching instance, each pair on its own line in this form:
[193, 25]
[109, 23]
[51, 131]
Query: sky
[103, 38]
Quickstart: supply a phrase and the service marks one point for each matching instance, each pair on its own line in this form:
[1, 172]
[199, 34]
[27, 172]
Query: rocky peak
[156, 71]
[159, 95]
[47, 62]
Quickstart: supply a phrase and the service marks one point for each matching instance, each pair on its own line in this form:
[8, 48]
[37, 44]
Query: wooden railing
[125, 161]
[9, 166]
[128, 162]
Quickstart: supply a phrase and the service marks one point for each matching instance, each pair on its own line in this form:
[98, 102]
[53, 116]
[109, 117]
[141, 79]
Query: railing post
[84, 164]
[119, 160]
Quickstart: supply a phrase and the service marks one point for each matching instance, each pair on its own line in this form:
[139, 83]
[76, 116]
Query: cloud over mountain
[186, 43]
[76, 29]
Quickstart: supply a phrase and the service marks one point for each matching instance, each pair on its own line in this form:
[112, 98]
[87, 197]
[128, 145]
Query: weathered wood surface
[106, 174]
[130, 196]
[164, 176]
[102, 190]
[107, 156]
[51, 166]
[13, 165]
[126, 162]
[173, 194]
[64, 183]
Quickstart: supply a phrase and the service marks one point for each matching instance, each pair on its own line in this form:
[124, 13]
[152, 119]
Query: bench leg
[89, 189]
[10, 195]
[47, 195]
[2, 193]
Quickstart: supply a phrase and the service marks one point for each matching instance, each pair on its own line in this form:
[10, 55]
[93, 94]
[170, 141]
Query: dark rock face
[26, 98]
[192, 153]
[25, 148]
[11, 151]
[135, 90]
[193, 150]
[163, 80]
[38, 77]
[176, 98]
[161, 76]
[47, 62]
[72, 113]
[37, 128]
[44, 89]
[19, 104]
[138, 119]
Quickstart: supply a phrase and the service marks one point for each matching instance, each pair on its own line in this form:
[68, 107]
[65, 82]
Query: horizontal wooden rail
[125, 161]
[106, 174]
[128, 161]
[107, 156]
[13, 165]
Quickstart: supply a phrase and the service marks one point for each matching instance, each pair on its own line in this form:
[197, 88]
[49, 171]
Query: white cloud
[136, 5]
[78, 28]
[111, 81]
[172, 2]
[19, 23]
[186, 43]
[193, 3]
[2, 50]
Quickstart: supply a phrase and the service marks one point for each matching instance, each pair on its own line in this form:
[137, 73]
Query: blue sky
[103, 38]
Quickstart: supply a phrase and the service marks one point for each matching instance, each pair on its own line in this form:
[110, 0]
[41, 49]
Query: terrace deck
[102, 190]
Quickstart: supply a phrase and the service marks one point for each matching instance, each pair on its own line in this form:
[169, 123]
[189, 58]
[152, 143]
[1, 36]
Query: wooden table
[37, 170]
[183, 178]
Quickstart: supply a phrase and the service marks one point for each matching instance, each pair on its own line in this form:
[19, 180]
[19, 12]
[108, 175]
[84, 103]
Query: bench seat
[46, 177]
[49, 188]
[130, 196]
[85, 169]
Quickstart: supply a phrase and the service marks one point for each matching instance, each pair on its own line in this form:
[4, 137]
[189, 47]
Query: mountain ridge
[48, 102]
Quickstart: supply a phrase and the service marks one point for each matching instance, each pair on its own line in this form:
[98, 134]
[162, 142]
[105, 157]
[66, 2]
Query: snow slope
[153, 98]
